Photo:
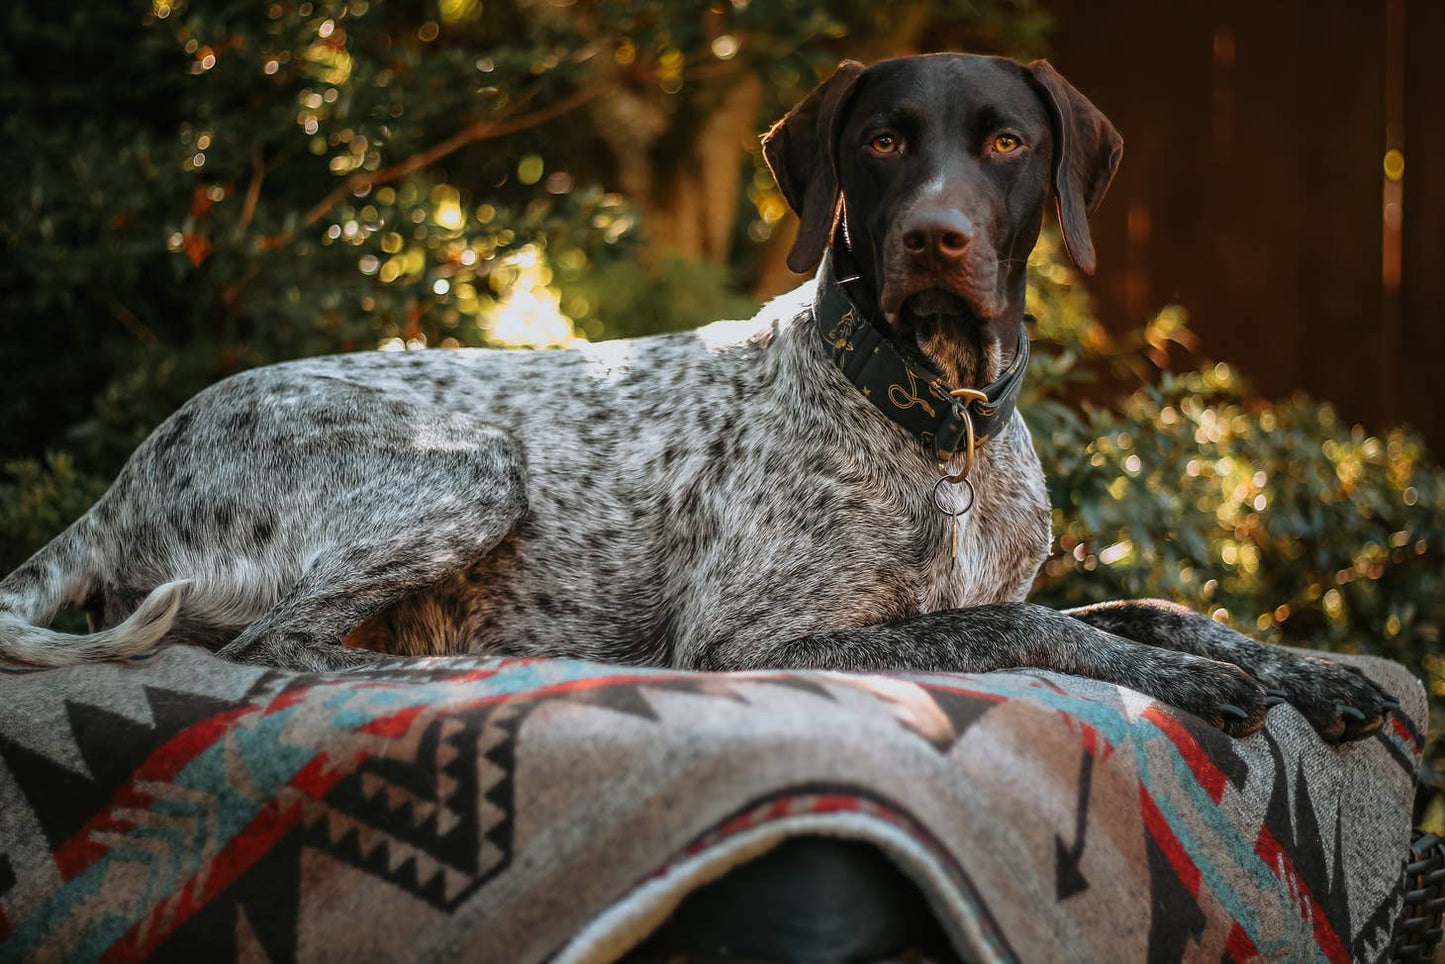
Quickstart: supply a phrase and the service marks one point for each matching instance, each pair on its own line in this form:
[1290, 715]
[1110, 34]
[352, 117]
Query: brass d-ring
[968, 396]
[969, 453]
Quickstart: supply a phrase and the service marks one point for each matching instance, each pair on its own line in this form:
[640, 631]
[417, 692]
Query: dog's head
[940, 167]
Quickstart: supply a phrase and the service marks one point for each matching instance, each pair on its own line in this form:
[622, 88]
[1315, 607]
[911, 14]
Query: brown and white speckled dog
[722, 499]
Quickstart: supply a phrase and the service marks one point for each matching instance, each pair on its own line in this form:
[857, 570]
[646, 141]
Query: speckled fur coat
[684, 499]
[693, 497]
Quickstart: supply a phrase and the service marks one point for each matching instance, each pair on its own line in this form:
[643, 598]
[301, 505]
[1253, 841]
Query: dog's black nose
[943, 233]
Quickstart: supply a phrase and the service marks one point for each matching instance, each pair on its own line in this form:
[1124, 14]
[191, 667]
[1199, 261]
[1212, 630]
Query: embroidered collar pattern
[903, 390]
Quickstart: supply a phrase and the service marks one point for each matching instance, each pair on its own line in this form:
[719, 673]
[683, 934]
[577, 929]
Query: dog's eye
[1006, 143]
[885, 144]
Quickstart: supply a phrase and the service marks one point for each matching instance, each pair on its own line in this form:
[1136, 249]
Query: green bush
[38, 498]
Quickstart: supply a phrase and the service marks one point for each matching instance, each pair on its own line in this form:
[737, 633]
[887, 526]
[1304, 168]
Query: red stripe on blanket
[835, 803]
[1209, 776]
[826, 803]
[82, 850]
[273, 821]
[169, 759]
[1094, 743]
[784, 807]
[1238, 947]
[1173, 850]
[287, 699]
[1400, 728]
[779, 808]
[1278, 861]
[1268, 848]
[395, 725]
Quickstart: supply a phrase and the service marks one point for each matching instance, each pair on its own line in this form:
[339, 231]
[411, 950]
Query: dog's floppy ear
[1087, 150]
[799, 152]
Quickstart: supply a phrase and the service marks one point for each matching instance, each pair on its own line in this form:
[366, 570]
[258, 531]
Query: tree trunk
[689, 204]
[689, 208]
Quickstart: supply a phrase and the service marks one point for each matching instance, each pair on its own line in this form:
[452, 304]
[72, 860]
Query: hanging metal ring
[953, 513]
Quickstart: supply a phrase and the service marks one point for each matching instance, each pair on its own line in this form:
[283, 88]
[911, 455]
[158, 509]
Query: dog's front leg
[1013, 636]
[1338, 700]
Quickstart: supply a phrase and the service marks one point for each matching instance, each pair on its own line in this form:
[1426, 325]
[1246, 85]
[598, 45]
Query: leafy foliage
[1275, 517]
[38, 498]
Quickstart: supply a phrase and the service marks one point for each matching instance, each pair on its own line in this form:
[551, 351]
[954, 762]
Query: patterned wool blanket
[179, 807]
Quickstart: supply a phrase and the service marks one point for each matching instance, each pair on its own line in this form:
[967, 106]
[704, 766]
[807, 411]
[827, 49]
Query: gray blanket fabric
[176, 806]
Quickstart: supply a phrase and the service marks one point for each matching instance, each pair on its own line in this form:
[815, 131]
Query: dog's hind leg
[283, 504]
[439, 512]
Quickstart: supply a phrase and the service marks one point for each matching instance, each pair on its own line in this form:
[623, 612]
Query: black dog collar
[942, 418]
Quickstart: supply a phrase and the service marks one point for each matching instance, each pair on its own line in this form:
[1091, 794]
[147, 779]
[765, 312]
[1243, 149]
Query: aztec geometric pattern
[176, 807]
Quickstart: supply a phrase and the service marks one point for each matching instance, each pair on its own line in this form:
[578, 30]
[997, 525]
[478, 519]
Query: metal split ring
[938, 503]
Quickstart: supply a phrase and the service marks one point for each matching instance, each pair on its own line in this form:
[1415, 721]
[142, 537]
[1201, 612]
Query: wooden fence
[1284, 180]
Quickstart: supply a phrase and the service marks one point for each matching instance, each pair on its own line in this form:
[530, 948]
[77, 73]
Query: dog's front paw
[1339, 701]
[1219, 692]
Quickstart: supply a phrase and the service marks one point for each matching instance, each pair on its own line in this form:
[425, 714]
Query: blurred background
[1237, 412]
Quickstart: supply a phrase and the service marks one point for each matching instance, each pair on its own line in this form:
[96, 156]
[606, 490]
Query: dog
[842, 483]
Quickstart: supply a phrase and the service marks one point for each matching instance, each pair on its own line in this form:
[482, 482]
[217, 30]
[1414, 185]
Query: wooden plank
[1342, 133]
[1262, 183]
[1422, 295]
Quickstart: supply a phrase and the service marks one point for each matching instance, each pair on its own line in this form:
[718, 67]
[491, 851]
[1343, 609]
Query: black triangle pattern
[623, 698]
[7, 875]
[502, 795]
[963, 711]
[61, 799]
[1376, 930]
[1176, 919]
[456, 846]
[268, 893]
[112, 746]
[479, 847]
[1069, 876]
[801, 683]
[175, 711]
[460, 847]
[1297, 831]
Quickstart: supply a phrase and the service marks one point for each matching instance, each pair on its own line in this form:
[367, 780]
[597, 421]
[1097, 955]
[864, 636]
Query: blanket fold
[175, 806]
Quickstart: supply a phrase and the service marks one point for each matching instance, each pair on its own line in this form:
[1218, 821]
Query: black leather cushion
[809, 899]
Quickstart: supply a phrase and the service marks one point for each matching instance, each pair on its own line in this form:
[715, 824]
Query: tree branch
[253, 191]
[478, 131]
[132, 323]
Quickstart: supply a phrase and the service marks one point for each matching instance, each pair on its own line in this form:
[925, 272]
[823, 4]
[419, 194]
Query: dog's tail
[68, 570]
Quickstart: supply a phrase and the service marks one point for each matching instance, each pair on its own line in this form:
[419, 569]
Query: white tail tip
[141, 630]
